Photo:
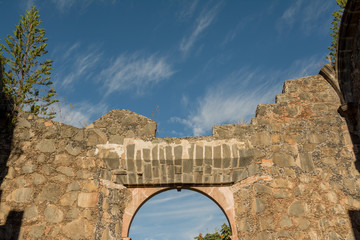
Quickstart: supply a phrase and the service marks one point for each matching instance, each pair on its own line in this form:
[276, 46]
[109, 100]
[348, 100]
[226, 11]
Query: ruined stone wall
[53, 180]
[291, 170]
[304, 145]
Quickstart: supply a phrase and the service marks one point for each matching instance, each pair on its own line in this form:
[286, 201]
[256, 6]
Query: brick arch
[222, 196]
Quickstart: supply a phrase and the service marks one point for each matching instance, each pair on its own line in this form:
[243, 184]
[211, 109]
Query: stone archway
[222, 196]
[146, 168]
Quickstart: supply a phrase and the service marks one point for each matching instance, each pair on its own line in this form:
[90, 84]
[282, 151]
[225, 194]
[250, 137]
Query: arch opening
[171, 214]
[220, 197]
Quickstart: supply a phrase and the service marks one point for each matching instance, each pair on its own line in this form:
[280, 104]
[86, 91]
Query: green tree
[225, 234]
[335, 30]
[26, 75]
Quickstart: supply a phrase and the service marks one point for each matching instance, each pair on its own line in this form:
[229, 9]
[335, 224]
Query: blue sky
[201, 62]
[173, 215]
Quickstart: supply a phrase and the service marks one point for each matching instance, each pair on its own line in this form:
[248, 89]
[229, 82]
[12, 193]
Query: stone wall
[53, 176]
[315, 184]
[291, 171]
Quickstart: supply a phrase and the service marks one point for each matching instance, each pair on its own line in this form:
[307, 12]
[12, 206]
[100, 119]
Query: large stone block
[78, 229]
[154, 153]
[146, 154]
[46, 146]
[188, 165]
[178, 152]
[283, 160]
[50, 192]
[297, 209]
[246, 157]
[37, 231]
[53, 214]
[88, 200]
[74, 151]
[306, 162]
[130, 151]
[21, 195]
[168, 151]
[96, 136]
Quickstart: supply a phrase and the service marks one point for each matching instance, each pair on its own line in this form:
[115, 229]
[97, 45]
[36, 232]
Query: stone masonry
[290, 171]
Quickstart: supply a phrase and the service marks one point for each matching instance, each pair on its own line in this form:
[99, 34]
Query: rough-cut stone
[112, 160]
[66, 171]
[74, 186]
[297, 209]
[86, 200]
[306, 162]
[38, 178]
[37, 231]
[53, 214]
[96, 136]
[23, 123]
[28, 168]
[285, 221]
[21, 195]
[258, 205]
[289, 174]
[130, 152]
[303, 223]
[50, 192]
[46, 146]
[283, 160]
[31, 212]
[78, 229]
[73, 150]
[68, 199]
[62, 159]
[260, 188]
[245, 157]
[178, 152]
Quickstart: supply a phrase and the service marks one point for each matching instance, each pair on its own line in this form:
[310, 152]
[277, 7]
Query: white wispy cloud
[312, 13]
[290, 13]
[305, 67]
[79, 114]
[181, 213]
[79, 65]
[185, 217]
[232, 34]
[187, 10]
[87, 65]
[230, 101]
[65, 5]
[171, 198]
[307, 14]
[135, 71]
[69, 52]
[235, 98]
[202, 23]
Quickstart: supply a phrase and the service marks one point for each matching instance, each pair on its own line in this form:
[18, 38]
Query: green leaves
[335, 30]
[225, 234]
[27, 74]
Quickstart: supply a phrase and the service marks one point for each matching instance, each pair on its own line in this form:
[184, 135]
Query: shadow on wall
[348, 66]
[355, 222]
[11, 229]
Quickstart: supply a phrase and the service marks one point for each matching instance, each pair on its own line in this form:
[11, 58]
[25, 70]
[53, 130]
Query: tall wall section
[291, 171]
[304, 145]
